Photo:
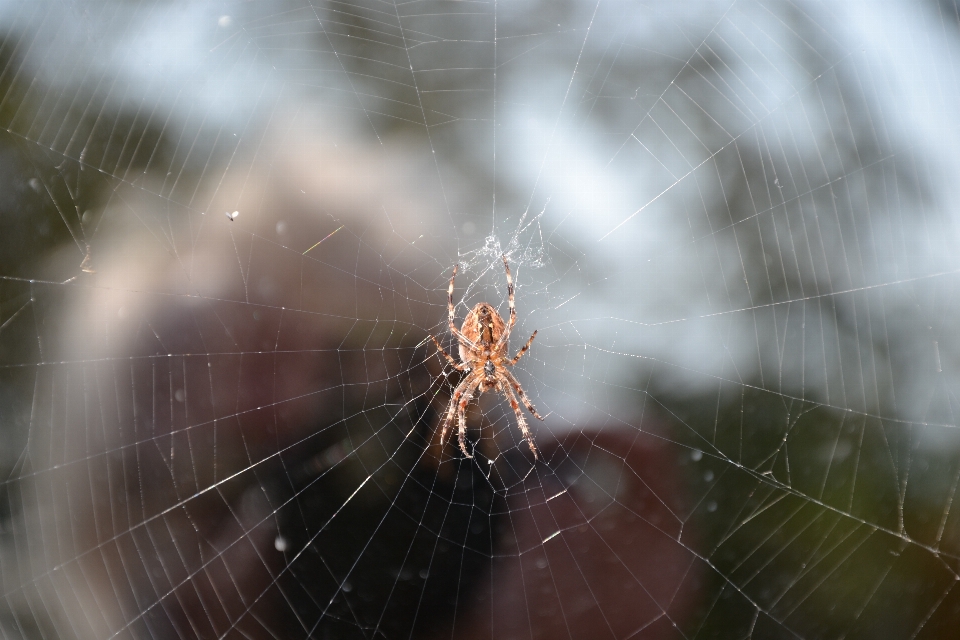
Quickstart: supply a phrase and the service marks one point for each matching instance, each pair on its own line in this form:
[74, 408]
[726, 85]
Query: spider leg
[462, 422]
[462, 419]
[452, 407]
[513, 309]
[521, 421]
[451, 314]
[516, 358]
[456, 365]
[523, 396]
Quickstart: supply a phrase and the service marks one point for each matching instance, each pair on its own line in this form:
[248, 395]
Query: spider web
[227, 234]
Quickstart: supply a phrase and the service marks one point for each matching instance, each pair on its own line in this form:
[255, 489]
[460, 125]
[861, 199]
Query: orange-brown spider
[483, 340]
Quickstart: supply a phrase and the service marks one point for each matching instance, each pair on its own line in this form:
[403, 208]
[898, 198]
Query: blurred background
[226, 235]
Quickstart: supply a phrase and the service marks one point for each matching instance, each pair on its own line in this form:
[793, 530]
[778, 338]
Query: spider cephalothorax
[483, 340]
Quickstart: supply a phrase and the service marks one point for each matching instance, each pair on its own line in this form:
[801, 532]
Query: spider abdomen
[484, 327]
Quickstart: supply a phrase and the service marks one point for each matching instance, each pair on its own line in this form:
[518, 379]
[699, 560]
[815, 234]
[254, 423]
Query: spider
[483, 341]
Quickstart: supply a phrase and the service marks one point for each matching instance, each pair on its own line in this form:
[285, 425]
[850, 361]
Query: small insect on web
[483, 339]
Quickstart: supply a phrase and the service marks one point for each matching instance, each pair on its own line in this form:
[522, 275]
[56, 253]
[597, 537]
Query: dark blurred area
[226, 232]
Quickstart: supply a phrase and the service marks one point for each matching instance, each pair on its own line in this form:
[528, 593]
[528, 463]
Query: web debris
[525, 247]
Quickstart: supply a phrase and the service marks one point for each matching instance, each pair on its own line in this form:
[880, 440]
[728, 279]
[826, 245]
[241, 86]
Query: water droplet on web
[708, 476]
[224, 22]
[695, 455]
[178, 395]
[347, 587]
[280, 544]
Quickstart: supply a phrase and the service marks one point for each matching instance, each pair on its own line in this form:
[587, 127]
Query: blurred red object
[593, 551]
